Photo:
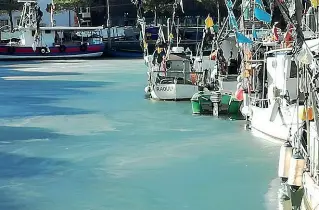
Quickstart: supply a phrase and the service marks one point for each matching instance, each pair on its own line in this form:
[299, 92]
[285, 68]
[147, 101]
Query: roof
[279, 50]
[177, 57]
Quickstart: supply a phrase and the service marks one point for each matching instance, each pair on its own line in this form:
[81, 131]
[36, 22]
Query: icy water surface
[79, 135]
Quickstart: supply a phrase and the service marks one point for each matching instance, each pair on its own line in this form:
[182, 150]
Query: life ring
[43, 50]
[62, 48]
[11, 50]
[83, 47]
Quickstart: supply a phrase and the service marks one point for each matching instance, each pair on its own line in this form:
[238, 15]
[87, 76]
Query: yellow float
[302, 113]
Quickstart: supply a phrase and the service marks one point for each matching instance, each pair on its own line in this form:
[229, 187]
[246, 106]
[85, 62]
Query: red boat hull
[12, 52]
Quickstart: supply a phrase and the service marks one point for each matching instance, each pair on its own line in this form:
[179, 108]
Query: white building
[65, 18]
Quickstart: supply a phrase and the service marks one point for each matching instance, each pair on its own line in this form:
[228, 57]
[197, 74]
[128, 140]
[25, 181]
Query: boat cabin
[276, 77]
[56, 36]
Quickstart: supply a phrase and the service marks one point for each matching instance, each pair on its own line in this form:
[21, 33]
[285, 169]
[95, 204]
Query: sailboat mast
[108, 25]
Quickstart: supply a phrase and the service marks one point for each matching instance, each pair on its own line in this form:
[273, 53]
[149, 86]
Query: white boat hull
[279, 126]
[173, 91]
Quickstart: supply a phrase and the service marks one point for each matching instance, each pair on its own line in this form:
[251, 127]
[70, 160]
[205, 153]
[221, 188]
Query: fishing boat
[174, 78]
[216, 103]
[37, 42]
[214, 99]
[171, 75]
[281, 100]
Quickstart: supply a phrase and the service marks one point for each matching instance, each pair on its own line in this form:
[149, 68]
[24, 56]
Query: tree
[74, 5]
[9, 6]
[158, 5]
[216, 7]
[210, 5]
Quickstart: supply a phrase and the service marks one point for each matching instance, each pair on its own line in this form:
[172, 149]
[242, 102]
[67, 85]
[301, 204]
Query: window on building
[84, 10]
[4, 22]
[17, 21]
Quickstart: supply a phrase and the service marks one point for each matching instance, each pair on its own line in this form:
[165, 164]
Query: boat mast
[108, 26]
[28, 17]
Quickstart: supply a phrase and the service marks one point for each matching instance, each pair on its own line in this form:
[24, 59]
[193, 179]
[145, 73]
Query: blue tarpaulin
[242, 38]
[262, 15]
[259, 2]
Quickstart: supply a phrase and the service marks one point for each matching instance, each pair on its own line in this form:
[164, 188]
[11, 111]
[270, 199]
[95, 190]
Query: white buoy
[296, 170]
[147, 89]
[284, 161]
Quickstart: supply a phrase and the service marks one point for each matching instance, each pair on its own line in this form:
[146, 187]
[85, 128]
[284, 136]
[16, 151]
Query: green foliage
[71, 4]
[210, 5]
[8, 6]
[159, 5]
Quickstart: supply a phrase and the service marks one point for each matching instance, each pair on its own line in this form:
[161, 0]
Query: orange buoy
[303, 116]
[239, 94]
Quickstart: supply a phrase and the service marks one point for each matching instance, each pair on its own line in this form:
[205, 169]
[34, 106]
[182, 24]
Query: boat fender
[43, 50]
[147, 89]
[83, 47]
[284, 161]
[62, 48]
[296, 169]
[11, 49]
[245, 111]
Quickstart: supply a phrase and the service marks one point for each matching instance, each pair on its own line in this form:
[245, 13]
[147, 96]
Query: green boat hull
[196, 107]
[201, 104]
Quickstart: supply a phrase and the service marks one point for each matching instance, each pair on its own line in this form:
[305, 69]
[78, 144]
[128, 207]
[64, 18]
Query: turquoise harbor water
[80, 135]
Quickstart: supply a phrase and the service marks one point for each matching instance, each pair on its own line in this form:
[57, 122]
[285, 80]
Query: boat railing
[3, 28]
[258, 102]
[187, 77]
[300, 142]
[191, 72]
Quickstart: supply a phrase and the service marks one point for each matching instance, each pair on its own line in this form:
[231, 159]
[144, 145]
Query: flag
[209, 22]
[259, 2]
[181, 4]
[262, 15]
[232, 18]
[315, 3]
[242, 38]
